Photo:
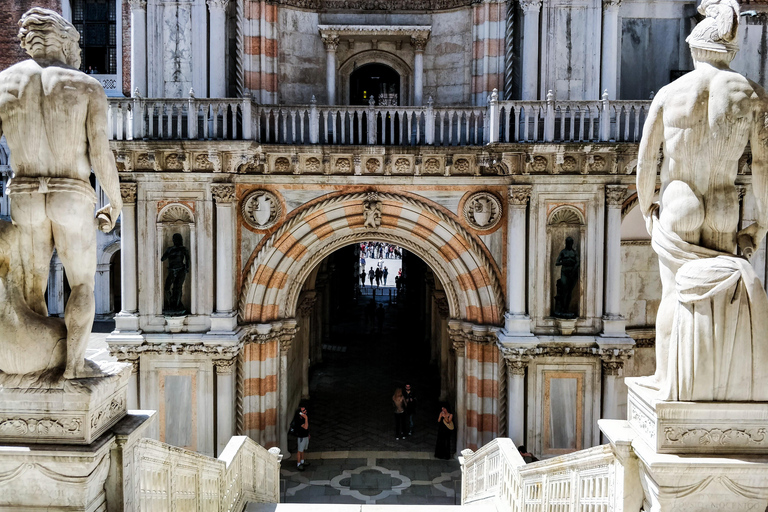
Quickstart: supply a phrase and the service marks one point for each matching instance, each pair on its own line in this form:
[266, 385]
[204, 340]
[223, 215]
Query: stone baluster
[331, 44]
[217, 55]
[516, 321]
[419, 44]
[139, 46]
[531, 12]
[224, 319]
[127, 319]
[516, 367]
[225, 402]
[613, 323]
[610, 51]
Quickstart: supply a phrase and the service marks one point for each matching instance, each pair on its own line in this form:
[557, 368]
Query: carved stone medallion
[261, 209]
[482, 210]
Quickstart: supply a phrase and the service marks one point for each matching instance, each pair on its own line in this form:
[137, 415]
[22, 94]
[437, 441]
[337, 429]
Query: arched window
[377, 80]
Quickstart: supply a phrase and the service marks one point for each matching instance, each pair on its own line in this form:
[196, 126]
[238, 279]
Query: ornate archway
[280, 264]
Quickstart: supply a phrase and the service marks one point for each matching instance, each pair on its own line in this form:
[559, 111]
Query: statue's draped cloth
[718, 349]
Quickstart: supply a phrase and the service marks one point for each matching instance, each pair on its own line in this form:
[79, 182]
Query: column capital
[614, 195]
[224, 366]
[137, 5]
[419, 43]
[217, 4]
[611, 4]
[128, 193]
[307, 304]
[516, 366]
[530, 6]
[331, 43]
[223, 193]
[612, 367]
[519, 195]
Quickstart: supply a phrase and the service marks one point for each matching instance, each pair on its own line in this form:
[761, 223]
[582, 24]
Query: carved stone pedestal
[697, 427]
[37, 409]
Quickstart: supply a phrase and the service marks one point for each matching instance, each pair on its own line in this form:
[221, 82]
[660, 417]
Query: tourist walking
[300, 427]
[410, 406]
[398, 401]
[384, 274]
[371, 275]
[362, 277]
[443, 447]
[378, 276]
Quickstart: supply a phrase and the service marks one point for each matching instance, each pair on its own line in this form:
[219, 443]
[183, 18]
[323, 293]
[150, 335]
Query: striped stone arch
[281, 264]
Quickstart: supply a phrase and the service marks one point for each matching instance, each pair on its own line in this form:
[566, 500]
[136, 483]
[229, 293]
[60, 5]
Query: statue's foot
[82, 371]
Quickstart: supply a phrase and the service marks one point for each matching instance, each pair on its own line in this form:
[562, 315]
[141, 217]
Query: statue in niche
[568, 261]
[713, 315]
[178, 268]
[54, 150]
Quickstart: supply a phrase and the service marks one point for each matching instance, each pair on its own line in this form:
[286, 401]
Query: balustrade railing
[577, 482]
[171, 478]
[500, 122]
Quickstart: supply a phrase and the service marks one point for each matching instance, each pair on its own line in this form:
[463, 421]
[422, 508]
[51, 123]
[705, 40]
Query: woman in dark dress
[443, 448]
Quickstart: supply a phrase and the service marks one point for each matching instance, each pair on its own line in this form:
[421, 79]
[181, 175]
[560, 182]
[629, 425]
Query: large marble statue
[713, 318]
[54, 118]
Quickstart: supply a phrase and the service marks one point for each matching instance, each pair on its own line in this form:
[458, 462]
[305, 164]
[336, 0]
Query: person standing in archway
[378, 276]
[371, 275]
[398, 400]
[300, 425]
[410, 406]
[445, 429]
[384, 274]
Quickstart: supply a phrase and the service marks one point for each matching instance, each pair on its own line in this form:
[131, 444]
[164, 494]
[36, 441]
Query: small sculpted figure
[54, 118]
[372, 213]
[178, 267]
[568, 261]
[711, 323]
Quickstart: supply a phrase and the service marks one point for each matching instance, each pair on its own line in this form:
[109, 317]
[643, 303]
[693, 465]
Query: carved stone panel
[261, 209]
[482, 211]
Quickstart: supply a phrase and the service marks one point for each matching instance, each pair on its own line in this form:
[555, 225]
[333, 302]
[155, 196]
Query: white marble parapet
[37, 409]
[697, 427]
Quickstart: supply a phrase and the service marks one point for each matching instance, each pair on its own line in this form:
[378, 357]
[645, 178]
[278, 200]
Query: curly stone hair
[44, 33]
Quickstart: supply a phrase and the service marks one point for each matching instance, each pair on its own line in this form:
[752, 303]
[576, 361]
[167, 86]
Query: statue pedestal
[690, 456]
[697, 427]
[37, 409]
[95, 477]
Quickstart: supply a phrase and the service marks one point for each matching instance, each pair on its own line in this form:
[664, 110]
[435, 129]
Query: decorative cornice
[356, 32]
[377, 5]
[223, 193]
[128, 192]
[614, 195]
[129, 353]
[519, 195]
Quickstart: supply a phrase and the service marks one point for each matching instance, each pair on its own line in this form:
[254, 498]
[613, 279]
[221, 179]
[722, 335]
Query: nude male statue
[704, 121]
[54, 118]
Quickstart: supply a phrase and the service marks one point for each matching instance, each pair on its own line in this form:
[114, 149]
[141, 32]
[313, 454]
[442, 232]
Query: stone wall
[10, 14]
[640, 283]
[752, 60]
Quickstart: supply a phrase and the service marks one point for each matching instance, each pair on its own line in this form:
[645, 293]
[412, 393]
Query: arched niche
[376, 57]
[176, 218]
[563, 222]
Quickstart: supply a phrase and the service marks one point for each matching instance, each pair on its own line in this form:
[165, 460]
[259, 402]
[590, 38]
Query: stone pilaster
[613, 323]
[517, 323]
[531, 12]
[225, 318]
[226, 401]
[331, 44]
[216, 51]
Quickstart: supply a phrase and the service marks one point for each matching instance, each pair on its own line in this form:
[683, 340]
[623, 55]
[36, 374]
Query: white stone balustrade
[497, 474]
[502, 121]
[171, 478]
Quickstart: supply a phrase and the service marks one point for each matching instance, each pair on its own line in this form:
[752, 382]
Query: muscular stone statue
[568, 261]
[54, 118]
[178, 267]
[713, 316]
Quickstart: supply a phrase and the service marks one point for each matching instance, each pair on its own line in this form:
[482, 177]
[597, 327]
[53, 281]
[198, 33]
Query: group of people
[404, 403]
[380, 250]
[379, 275]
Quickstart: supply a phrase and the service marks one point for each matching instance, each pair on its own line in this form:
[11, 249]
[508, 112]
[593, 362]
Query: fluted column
[216, 54]
[139, 46]
[531, 12]
[331, 43]
[613, 323]
[224, 319]
[516, 321]
[419, 44]
[516, 399]
[225, 402]
[610, 49]
[127, 319]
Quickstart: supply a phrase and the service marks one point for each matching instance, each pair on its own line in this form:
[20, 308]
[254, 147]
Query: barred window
[96, 20]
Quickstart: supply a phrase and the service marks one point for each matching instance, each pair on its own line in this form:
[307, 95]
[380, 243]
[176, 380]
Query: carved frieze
[519, 195]
[224, 366]
[261, 209]
[128, 192]
[223, 193]
[716, 436]
[20, 427]
[614, 195]
[482, 210]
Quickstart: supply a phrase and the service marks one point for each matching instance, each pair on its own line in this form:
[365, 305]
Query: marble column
[458, 346]
[132, 400]
[102, 291]
[613, 323]
[531, 11]
[225, 318]
[225, 402]
[419, 44]
[306, 310]
[610, 51]
[516, 321]
[516, 399]
[139, 46]
[127, 319]
[614, 392]
[216, 53]
[285, 341]
[331, 43]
